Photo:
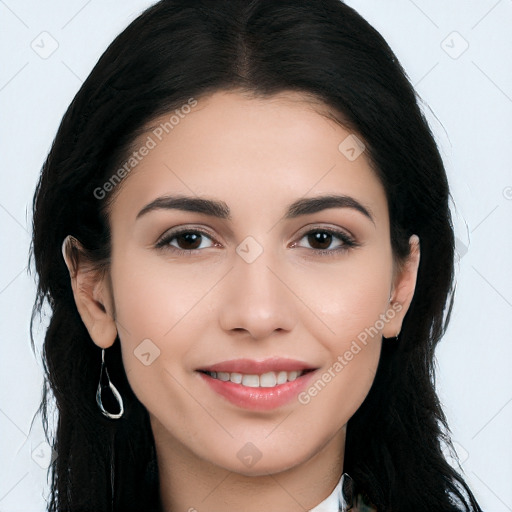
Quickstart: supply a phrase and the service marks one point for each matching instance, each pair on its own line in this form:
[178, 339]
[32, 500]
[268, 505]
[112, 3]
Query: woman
[204, 352]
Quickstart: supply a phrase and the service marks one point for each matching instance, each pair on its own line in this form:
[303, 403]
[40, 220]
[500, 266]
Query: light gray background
[469, 96]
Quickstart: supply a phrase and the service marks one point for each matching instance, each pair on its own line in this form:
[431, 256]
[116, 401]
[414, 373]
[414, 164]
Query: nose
[257, 298]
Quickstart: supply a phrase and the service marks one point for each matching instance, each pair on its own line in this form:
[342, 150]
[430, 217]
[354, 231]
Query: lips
[257, 385]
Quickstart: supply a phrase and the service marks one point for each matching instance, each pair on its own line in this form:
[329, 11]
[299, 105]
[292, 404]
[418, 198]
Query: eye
[187, 241]
[321, 239]
[184, 241]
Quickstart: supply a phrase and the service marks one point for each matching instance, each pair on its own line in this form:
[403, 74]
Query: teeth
[293, 375]
[236, 378]
[253, 381]
[282, 377]
[266, 380]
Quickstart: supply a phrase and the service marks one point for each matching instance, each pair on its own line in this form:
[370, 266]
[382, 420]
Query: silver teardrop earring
[114, 390]
[395, 338]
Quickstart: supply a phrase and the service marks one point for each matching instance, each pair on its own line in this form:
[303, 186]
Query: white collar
[335, 501]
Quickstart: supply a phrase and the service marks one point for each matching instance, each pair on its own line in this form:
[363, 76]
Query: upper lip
[250, 366]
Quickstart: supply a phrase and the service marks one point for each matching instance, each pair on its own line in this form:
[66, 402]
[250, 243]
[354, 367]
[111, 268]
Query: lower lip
[258, 399]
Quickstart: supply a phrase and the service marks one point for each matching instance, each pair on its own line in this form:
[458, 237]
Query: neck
[192, 484]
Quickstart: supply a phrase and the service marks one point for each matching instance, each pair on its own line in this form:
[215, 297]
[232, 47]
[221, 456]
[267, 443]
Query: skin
[258, 156]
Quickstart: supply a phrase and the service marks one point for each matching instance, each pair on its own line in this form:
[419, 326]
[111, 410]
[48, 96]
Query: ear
[404, 284]
[92, 293]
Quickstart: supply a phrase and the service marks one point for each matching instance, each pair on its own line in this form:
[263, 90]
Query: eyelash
[348, 241]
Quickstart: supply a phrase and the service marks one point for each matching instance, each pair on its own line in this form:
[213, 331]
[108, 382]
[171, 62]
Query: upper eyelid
[331, 229]
[170, 235]
[178, 230]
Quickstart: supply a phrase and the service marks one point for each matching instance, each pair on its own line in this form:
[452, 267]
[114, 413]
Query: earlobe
[403, 289]
[93, 297]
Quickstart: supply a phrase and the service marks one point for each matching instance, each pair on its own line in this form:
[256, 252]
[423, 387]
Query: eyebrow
[220, 210]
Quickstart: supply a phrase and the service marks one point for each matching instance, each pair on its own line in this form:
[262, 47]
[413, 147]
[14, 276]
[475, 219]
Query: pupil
[322, 238]
[190, 238]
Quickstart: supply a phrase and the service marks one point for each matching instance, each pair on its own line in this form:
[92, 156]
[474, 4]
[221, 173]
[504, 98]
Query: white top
[335, 501]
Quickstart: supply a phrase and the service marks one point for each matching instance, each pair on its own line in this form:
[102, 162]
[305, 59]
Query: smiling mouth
[265, 380]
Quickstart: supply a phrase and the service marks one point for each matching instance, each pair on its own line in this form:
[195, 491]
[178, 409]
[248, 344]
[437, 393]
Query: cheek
[157, 320]
[347, 297]
[155, 297]
[334, 396]
[350, 301]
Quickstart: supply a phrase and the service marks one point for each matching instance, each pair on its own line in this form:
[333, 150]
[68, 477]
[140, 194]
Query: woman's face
[252, 285]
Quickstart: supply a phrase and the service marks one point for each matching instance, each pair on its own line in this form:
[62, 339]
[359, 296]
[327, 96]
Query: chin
[249, 461]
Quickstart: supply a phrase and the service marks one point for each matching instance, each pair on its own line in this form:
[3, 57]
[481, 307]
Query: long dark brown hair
[178, 49]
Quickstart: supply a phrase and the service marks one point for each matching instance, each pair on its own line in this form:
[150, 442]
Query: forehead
[252, 153]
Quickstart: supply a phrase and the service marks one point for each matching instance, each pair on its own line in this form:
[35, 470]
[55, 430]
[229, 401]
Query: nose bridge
[257, 300]
[254, 266]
